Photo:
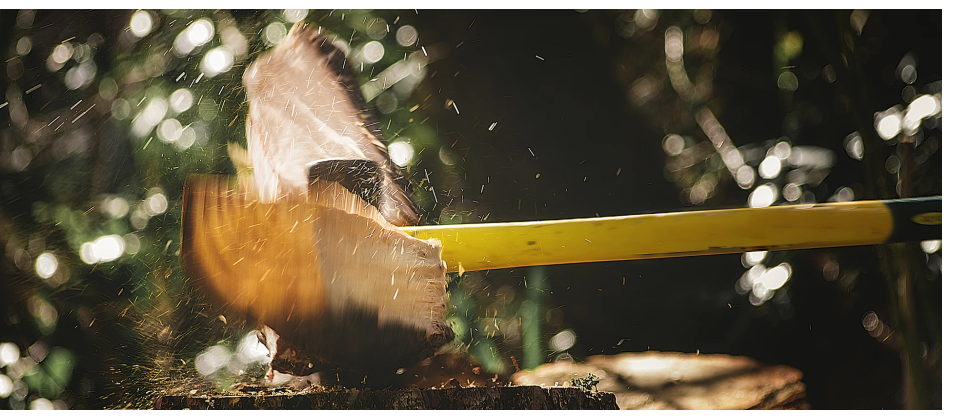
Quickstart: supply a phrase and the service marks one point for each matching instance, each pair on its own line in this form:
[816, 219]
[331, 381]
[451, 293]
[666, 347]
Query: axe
[316, 239]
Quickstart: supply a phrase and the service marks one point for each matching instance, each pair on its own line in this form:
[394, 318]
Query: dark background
[570, 142]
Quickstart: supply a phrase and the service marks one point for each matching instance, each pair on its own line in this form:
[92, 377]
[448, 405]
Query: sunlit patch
[401, 152]
[273, 34]
[141, 23]
[295, 15]
[216, 61]
[212, 359]
[46, 265]
[763, 196]
[563, 340]
[930, 246]
[372, 52]
[770, 167]
[181, 100]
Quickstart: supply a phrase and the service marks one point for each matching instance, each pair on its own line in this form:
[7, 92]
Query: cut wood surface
[667, 381]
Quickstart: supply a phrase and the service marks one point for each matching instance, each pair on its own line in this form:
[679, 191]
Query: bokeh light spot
[753, 258]
[294, 15]
[770, 167]
[673, 144]
[930, 246]
[853, 144]
[200, 32]
[763, 196]
[788, 81]
[273, 34]
[212, 359]
[141, 23]
[217, 60]
[401, 152]
[372, 52]
[107, 248]
[9, 353]
[46, 265]
[889, 126]
[792, 192]
[6, 386]
[563, 340]
[144, 122]
[169, 130]
[181, 100]
[406, 35]
[155, 203]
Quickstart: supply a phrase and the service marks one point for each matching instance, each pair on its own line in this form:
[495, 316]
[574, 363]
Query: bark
[452, 398]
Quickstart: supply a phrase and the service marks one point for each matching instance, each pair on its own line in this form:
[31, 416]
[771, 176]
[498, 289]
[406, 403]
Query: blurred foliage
[512, 115]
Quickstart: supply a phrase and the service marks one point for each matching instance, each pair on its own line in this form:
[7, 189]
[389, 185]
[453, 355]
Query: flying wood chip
[304, 240]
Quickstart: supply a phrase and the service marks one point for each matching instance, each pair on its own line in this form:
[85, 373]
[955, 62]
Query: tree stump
[453, 398]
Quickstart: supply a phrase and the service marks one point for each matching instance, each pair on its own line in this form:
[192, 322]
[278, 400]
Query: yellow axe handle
[485, 246]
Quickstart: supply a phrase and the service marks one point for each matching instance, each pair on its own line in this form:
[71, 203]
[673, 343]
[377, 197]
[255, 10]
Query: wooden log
[451, 398]
[670, 381]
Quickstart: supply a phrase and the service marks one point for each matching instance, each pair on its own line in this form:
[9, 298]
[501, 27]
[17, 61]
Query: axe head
[322, 268]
